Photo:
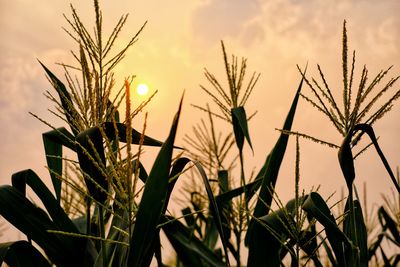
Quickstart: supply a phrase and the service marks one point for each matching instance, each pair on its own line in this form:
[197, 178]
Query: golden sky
[183, 37]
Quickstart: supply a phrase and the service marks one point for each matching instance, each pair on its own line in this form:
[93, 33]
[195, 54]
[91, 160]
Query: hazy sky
[183, 37]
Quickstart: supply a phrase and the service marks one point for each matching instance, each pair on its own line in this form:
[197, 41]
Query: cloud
[304, 26]
[217, 19]
[22, 83]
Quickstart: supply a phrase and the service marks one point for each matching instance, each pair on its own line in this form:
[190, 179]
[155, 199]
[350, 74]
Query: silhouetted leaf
[71, 114]
[316, 207]
[240, 128]
[152, 203]
[214, 209]
[53, 142]
[21, 253]
[360, 237]
[62, 250]
[268, 176]
[92, 162]
[190, 250]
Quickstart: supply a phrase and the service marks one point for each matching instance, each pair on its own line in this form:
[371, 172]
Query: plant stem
[102, 235]
[238, 243]
[88, 219]
[354, 259]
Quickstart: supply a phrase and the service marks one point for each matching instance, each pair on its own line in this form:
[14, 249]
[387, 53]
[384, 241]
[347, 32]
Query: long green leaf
[28, 177]
[214, 210]
[271, 233]
[110, 131]
[360, 237]
[92, 161]
[389, 223]
[62, 250]
[316, 207]
[370, 131]
[53, 142]
[269, 174]
[153, 200]
[176, 170]
[117, 253]
[240, 127]
[227, 196]
[274, 229]
[21, 253]
[71, 113]
[226, 208]
[191, 251]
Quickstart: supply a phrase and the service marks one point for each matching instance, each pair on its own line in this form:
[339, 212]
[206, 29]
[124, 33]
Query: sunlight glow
[142, 89]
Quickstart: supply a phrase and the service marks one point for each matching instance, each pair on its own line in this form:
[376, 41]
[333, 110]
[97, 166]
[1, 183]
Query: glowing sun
[142, 89]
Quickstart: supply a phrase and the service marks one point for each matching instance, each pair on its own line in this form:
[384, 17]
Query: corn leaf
[360, 237]
[214, 209]
[92, 161]
[177, 169]
[71, 113]
[316, 207]
[110, 131]
[366, 128]
[346, 161]
[271, 233]
[190, 250]
[53, 142]
[21, 253]
[240, 128]
[389, 223]
[152, 203]
[116, 253]
[28, 177]
[268, 174]
[34, 222]
[225, 197]
[226, 208]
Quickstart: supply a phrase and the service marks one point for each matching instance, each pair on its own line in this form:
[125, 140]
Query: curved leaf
[92, 161]
[153, 201]
[53, 142]
[21, 253]
[268, 174]
[240, 128]
[370, 131]
[389, 223]
[190, 250]
[316, 207]
[30, 178]
[214, 210]
[360, 237]
[110, 131]
[66, 101]
[62, 250]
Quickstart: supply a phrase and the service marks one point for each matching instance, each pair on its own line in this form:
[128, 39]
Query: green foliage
[107, 210]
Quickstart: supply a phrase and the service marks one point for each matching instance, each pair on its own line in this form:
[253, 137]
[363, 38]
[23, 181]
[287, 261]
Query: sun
[142, 89]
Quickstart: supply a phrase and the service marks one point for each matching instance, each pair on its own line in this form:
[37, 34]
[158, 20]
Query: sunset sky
[180, 39]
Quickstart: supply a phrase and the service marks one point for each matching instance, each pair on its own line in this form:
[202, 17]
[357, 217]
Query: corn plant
[107, 210]
[270, 235]
[211, 150]
[112, 207]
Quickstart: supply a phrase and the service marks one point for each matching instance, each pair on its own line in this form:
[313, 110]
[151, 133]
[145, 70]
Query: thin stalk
[102, 236]
[238, 235]
[242, 183]
[297, 204]
[88, 222]
[128, 119]
[100, 55]
[353, 228]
